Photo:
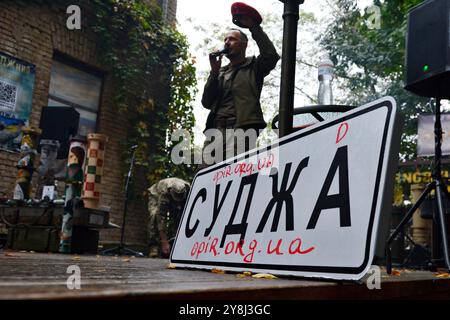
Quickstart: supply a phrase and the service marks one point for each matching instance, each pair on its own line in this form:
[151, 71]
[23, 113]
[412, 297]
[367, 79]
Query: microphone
[221, 52]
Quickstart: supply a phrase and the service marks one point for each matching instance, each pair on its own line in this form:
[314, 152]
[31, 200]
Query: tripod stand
[437, 184]
[121, 249]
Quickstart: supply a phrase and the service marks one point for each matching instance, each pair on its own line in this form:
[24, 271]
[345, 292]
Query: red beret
[240, 8]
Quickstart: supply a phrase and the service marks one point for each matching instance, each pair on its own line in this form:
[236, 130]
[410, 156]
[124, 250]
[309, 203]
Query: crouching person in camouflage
[166, 200]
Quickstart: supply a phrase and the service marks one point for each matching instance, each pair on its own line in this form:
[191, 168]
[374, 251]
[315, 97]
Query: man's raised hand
[245, 21]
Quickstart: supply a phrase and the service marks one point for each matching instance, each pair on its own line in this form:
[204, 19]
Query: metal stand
[287, 83]
[438, 185]
[121, 249]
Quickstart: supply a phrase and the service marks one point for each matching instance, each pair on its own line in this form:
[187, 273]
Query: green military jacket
[247, 82]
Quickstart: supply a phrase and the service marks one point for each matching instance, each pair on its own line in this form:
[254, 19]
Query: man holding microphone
[232, 92]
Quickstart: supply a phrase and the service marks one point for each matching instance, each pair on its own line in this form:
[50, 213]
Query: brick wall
[172, 11]
[33, 31]
[169, 9]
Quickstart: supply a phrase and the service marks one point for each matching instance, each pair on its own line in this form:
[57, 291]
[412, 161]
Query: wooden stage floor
[25, 275]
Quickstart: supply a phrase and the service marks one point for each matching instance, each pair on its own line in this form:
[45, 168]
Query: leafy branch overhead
[145, 56]
[371, 60]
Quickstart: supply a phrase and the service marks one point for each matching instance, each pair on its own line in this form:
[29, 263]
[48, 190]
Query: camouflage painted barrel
[26, 164]
[74, 182]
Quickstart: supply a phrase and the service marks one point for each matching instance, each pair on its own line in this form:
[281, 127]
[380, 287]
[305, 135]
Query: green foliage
[371, 60]
[145, 57]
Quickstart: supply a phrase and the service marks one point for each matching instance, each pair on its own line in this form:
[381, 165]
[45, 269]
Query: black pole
[288, 62]
[437, 141]
[127, 194]
[121, 249]
[440, 185]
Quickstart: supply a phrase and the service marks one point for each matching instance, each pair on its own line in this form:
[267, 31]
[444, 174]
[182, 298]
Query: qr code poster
[16, 94]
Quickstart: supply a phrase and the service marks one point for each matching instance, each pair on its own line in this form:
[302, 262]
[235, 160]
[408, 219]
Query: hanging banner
[16, 95]
[308, 205]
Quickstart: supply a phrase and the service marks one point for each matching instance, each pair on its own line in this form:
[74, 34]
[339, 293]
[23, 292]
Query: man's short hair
[244, 37]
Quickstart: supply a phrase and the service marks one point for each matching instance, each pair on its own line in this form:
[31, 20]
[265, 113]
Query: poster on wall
[16, 95]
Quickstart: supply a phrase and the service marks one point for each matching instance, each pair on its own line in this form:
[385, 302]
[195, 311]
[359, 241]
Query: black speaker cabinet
[427, 49]
[59, 123]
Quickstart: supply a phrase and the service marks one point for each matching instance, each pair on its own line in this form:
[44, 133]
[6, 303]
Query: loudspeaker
[427, 49]
[59, 123]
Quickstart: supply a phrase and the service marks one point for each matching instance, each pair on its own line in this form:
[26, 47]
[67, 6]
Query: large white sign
[308, 205]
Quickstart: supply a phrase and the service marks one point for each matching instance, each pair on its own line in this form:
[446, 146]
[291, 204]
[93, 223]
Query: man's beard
[232, 54]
